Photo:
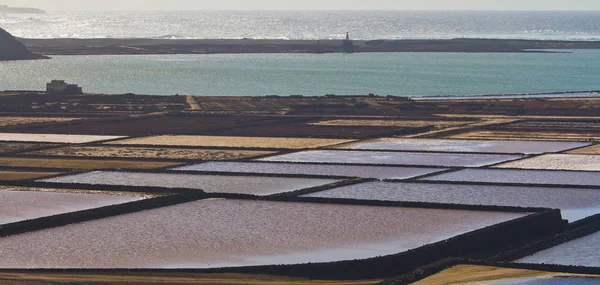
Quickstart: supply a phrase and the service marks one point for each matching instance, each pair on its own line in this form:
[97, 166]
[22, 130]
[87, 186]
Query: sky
[82, 5]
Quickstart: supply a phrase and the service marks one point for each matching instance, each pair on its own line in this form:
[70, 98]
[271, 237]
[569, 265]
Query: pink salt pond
[226, 233]
[16, 206]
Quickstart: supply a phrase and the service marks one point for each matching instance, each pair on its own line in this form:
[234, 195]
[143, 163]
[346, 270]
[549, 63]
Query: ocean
[365, 25]
[403, 74]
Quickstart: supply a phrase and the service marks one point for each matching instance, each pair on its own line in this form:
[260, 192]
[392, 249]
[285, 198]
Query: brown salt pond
[546, 177]
[444, 145]
[209, 183]
[13, 121]
[82, 163]
[21, 175]
[389, 123]
[575, 204]
[595, 149]
[557, 162]
[528, 135]
[229, 141]
[150, 152]
[580, 252]
[378, 172]
[393, 158]
[18, 206]
[17, 147]
[225, 233]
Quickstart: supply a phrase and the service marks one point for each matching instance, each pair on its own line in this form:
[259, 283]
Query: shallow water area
[209, 183]
[222, 233]
[575, 204]
[580, 252]
[18, 206]
[378, 172]
[392, 158]
[442, 145]
[557, 162]
[547, 177]
[54, 138]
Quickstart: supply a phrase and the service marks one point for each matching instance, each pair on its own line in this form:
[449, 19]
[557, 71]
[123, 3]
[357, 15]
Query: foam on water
[575, 204]
[218, 233]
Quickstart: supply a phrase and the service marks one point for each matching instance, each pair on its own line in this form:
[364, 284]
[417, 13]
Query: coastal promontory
[13, 49]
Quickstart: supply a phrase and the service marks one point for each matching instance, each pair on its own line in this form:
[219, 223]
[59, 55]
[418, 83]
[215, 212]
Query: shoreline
[114, 46]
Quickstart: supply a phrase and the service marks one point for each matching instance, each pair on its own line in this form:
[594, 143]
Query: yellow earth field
[388, 123]
[146, 152]
[13, 121]
[239, 142]
[595, 149]
[14, 176]
[515, 135]
[481, 275]
[82, 164]
[170, 279]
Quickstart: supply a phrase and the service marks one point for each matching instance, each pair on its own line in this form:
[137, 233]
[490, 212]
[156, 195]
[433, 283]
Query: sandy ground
[480, 275]
[82, 164]
[145, 152]
[588, 150]
[12, 175]
[516, 135]
[557, 162]
[388, 123]
[241, 142]
[170, 279]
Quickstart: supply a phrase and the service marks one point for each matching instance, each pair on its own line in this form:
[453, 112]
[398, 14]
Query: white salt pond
[580, 252]
[557, 162]
[575, 204]
[54, 138]
[393, 158]
[208, 183]
[445, 145]
[16, 206]
[225, 233]
[378, 172]
[520, 177]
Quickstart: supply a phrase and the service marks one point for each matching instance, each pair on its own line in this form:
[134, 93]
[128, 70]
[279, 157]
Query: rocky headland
[13, 49]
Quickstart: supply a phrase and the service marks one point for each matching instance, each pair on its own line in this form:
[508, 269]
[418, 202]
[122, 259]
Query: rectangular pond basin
[547, 177]
[378, 172]
[16, 206]
[254, 185]
[54, 138]
[580, 252]
[557, 162]
[445, 145]
[226, 233]
[575, 204]
[233, 141]
[393, 158]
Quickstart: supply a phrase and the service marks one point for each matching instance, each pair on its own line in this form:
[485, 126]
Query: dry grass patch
[15, 175]
[388, 123]
[517, 135]
[82, 163]
[472, 274]
[239, 142]
[595, 149]
[146, 152]
[14, 121]
[167, 278]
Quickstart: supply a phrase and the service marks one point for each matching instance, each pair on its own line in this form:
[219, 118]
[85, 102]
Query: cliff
[12, 49]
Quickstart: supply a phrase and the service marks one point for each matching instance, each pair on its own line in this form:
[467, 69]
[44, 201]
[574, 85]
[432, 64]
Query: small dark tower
[348, 44]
